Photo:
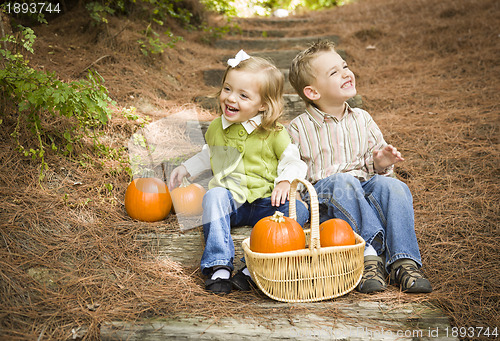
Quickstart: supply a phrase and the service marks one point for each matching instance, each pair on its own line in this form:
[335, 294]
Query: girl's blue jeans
[221, 212]
[380, 207]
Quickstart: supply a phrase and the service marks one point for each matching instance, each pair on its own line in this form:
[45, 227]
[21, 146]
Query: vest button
[240, 149]
[241, 132]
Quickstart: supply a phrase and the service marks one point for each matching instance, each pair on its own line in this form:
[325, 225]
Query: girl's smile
[230, 110]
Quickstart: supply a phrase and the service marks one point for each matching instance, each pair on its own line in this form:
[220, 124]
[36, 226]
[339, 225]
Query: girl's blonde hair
[271, 88]
[301, 72]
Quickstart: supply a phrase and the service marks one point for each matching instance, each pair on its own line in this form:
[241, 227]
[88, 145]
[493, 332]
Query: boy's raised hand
[386, 157]
[280, 193]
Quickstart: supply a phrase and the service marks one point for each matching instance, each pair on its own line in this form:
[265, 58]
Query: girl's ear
[263, 107]
[311, 93]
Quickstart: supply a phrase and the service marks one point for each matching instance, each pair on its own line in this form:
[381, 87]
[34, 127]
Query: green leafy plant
[40, 96]
[98, 11]
[152, 43]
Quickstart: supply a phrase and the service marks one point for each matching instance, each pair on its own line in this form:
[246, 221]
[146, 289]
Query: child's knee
[216, 195]
[394, 186]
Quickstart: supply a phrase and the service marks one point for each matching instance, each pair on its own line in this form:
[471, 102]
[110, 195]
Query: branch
[3, 30]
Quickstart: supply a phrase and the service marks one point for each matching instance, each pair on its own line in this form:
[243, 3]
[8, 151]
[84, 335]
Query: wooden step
[329, 320]
[270, 22]
[262, 33]
[271, 43]
[187, 247]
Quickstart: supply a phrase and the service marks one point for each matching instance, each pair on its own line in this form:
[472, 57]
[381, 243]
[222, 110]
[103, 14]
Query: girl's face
[240, 97]
[334, 82]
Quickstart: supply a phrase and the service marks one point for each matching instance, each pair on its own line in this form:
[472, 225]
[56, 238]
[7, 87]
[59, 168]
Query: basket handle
[314, 243]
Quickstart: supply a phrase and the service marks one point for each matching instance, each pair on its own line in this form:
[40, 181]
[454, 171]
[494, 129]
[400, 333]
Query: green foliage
[38, 94]
[226, 7]
[152, 43]
[266, 7]
[162, 9]
[98, 11]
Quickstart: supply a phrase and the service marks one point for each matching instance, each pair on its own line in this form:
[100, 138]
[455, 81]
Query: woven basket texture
[312, 274]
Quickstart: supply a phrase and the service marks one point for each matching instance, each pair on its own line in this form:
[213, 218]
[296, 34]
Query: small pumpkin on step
[148, 199]
[188, 198]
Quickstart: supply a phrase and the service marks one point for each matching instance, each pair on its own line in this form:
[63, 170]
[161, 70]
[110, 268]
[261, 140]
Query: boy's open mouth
[347, 84]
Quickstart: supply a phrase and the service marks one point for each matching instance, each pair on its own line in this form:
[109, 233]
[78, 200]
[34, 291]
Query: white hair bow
[240, 56]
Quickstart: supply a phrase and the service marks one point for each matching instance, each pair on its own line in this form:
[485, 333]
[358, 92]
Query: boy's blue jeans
[221, 212]
[381, 206]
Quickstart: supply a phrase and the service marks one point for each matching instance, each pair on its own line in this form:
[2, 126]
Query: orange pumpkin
[336, 232]
[277, 233]
[147, 199]
[187, 198]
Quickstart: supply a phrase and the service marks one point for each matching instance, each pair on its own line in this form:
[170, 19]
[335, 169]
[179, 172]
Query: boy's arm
[376, 143]
[385, 158]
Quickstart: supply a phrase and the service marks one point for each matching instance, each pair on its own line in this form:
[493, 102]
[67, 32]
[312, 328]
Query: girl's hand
[280, 193]
[386, 157]
[176, 176]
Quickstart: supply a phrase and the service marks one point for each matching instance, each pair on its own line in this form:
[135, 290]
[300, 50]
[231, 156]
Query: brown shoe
[373, 279]
[409, 277]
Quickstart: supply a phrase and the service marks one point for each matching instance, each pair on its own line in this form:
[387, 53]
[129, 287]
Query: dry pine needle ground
[68, 253]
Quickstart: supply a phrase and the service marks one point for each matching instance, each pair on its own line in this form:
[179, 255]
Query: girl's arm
[191, 167]
[290, 167]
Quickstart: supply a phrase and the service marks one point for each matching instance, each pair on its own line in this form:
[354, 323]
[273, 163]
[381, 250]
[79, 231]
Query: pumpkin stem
[185, 182]
[278, 217]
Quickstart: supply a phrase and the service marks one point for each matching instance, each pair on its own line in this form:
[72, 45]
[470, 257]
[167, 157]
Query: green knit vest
[246, 164]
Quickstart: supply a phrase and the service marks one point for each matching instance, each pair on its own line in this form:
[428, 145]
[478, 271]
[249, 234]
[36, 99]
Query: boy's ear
[311, 93]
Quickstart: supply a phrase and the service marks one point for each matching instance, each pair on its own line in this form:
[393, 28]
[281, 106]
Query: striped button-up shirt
[329, 145]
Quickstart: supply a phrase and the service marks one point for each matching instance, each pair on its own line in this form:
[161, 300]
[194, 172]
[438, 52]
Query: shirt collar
[249, 125]
[318, 116]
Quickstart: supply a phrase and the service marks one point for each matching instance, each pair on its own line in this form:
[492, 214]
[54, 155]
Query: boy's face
[334, 83]
[240, 98]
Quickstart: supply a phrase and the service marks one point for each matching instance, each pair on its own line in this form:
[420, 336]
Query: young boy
[350, 165]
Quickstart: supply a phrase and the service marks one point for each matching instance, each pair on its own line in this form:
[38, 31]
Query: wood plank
[187, 247]
[271, 43]
[358, 321]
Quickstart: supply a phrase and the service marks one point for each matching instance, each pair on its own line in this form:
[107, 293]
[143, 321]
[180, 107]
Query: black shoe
[218, 286]
[242, 282]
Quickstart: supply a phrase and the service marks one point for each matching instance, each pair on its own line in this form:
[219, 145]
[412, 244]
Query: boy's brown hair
[301, 72]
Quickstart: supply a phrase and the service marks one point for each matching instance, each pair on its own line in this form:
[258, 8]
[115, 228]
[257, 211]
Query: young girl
[253, 163]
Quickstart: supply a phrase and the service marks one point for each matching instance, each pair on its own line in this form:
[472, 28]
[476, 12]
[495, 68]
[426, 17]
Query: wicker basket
[312, 274]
